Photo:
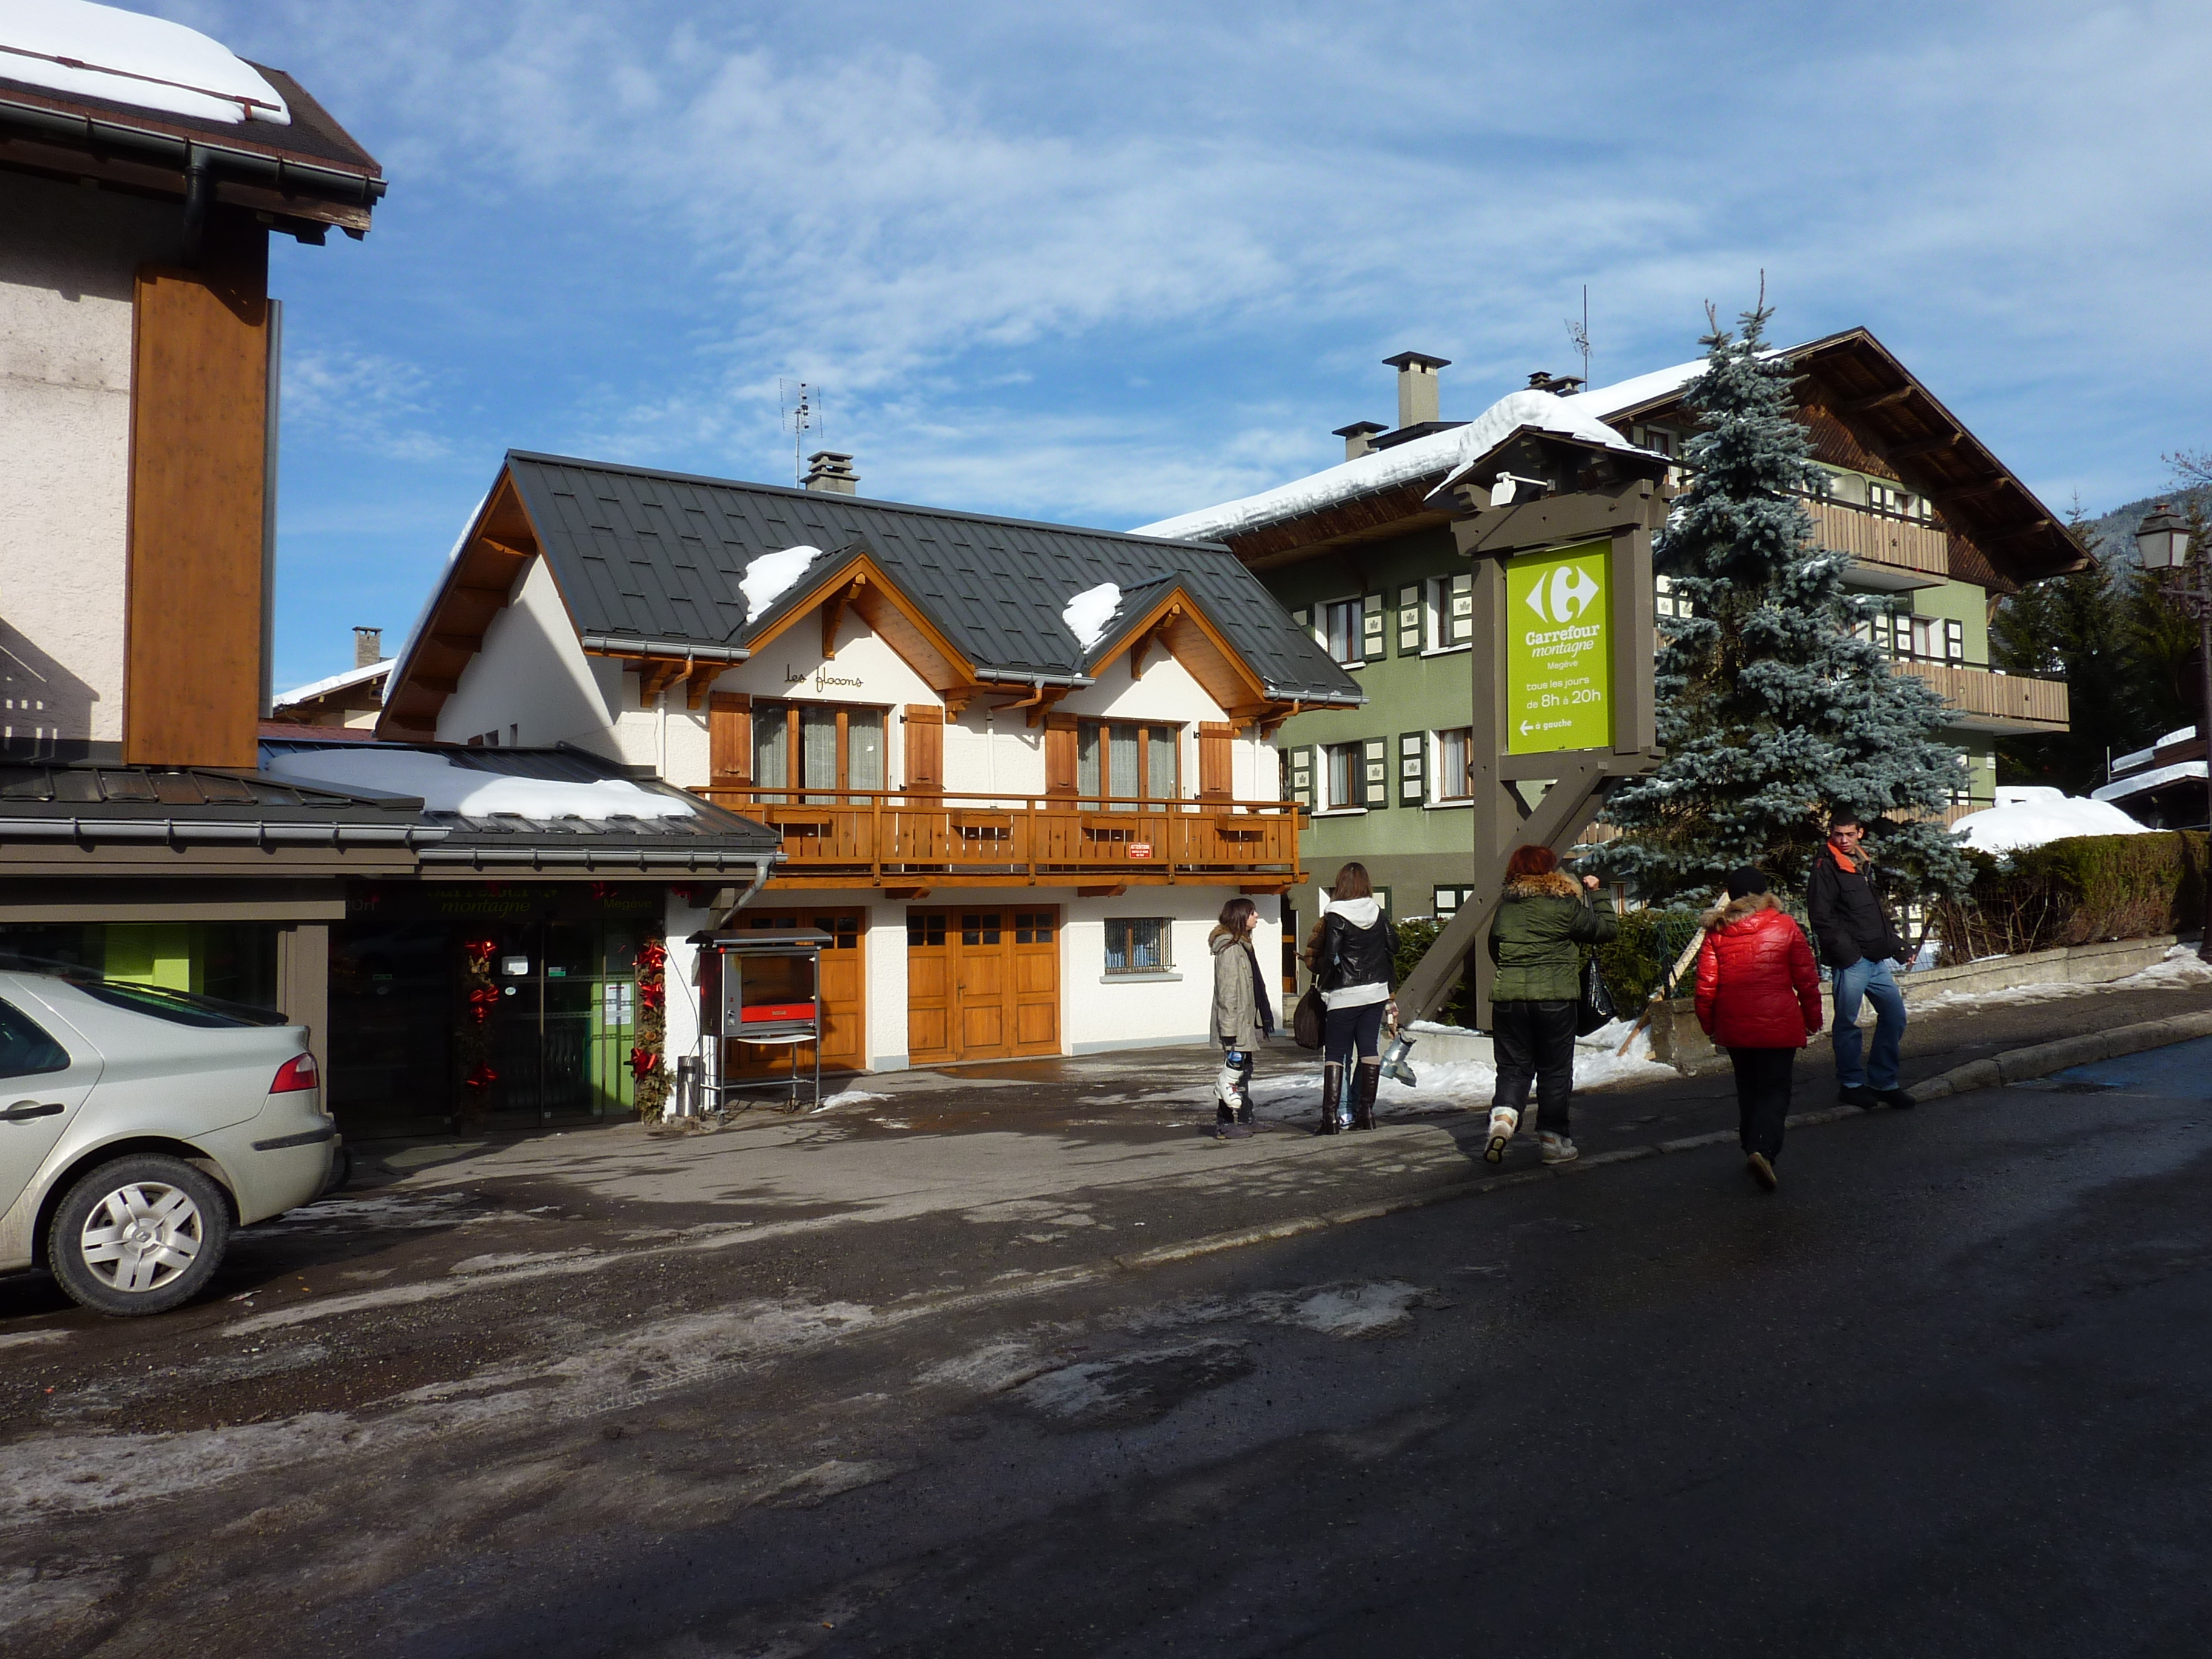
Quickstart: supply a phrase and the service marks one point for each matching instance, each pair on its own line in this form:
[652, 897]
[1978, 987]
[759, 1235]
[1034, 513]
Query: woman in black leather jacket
[1351, 952]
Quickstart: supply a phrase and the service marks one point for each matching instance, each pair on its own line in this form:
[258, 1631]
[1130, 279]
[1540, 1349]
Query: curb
[2015, 1067]
[2045, 1058]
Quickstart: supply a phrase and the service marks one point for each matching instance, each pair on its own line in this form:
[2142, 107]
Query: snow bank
[446, 787]
[2031, 817]
[2181, 970]
[127, 57]
[1089, 611]
[1461, 1086]
[767, 577]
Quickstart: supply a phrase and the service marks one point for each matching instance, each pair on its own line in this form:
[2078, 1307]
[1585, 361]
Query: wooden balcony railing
[893, 838]
[1881, 538]
[1997, 702]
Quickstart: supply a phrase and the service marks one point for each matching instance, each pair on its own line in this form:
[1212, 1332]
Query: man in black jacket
[1858, 942]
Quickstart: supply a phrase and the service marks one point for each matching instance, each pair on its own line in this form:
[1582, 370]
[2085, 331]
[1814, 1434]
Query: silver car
[138, 1126]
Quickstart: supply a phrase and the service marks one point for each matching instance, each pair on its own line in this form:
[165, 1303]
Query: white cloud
[362, 401]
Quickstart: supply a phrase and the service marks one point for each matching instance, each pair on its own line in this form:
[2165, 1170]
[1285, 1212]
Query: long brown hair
[1352, 883]
[1236, 917]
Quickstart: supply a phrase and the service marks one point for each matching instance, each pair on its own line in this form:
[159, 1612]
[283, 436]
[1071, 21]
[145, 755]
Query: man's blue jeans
[1873, 981]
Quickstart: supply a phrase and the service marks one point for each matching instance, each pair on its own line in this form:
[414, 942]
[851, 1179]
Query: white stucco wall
[532, 683]
[1098, 1012]
[67, 257]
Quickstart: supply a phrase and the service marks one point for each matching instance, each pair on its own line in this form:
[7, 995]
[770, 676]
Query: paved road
[1944, 1393]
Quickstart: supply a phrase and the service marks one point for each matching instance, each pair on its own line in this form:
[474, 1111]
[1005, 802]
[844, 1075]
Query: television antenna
[1579, 334]
[802, 414]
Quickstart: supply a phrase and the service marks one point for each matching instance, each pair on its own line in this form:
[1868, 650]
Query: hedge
[2075, 890]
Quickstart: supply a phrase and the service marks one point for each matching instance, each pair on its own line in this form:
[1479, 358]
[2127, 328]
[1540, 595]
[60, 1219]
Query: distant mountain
[2114, 536]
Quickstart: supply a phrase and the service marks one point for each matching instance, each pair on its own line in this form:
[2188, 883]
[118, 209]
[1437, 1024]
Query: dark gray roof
[659, 556]
[708, 838]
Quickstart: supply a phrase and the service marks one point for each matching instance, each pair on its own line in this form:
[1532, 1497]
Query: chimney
[367, 646]
[1417, 386]
[1559, 386]
[828, 469]
[1358, 437]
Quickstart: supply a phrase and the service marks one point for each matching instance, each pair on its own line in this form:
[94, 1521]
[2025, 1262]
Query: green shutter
[1456, 626]
[1374, 762]
[1413, 768]
[1300, 761]
[1409, 622]
[1373, 625]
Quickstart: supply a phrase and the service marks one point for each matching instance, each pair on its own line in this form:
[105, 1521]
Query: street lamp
[2163, 542]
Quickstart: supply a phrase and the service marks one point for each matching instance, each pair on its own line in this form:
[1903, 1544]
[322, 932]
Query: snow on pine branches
[1772, 711]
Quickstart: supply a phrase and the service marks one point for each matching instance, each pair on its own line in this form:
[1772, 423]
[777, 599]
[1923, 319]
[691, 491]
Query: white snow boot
[1503, 1120]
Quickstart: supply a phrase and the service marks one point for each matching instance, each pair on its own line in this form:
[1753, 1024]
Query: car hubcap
[139, 1237]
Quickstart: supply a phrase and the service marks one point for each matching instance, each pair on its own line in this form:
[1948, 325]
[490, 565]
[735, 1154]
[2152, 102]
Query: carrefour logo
[1571, 591]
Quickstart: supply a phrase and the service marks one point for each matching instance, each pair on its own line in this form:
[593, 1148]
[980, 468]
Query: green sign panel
[1558, 650]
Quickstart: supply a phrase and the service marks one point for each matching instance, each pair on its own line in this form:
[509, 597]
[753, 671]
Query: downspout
[199, 197]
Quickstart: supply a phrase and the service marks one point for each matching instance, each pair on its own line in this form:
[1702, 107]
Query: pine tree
[1772, 711]
[2079, 627]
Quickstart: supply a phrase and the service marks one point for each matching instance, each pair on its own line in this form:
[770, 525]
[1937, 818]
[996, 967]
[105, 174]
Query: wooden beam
[1053, 694]
[833, 612]
[1925, 447]
[907, 894]
[656, 675]
[1881, 400]
[1115, 891]
[700, 682]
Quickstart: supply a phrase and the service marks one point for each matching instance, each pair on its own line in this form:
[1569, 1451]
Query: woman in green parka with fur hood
[1543, 920]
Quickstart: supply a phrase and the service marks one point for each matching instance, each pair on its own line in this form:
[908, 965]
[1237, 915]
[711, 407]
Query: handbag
[1595, 1009]
[1308, 1017]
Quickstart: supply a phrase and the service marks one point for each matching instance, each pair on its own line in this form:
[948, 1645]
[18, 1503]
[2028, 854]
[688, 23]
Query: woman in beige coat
[1241, 1015]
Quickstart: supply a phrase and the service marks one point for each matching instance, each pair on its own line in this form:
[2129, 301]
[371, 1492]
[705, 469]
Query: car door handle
[23, 1110]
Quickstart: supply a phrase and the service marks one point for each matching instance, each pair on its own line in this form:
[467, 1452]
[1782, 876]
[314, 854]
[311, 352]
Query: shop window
[1125, 764]
[1139, 945]
[817, 746]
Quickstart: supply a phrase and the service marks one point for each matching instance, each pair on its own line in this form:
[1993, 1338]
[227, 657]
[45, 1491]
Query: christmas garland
[647, 1067]
[479, 995]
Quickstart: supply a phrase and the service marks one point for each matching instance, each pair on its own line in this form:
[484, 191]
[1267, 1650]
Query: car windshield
[156, 1002]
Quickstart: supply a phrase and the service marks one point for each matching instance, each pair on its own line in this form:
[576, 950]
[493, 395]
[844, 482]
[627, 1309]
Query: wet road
[1944, 1393]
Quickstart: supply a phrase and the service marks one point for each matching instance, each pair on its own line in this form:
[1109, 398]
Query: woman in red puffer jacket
[1759, 997]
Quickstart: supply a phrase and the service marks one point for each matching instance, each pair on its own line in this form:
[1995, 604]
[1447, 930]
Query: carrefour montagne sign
[1558, 649]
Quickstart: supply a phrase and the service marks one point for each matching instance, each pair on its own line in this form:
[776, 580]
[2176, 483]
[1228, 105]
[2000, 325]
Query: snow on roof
[1089, 611]
[101, 51]
[767, 577]
[2047, 815]
[446, 787]
[2142, 757]
[1578, 416]
[2121, 788]
[346, 681]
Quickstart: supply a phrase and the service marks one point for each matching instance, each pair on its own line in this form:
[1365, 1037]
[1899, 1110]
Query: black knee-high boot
[1363, 1094]
[1332, 1089]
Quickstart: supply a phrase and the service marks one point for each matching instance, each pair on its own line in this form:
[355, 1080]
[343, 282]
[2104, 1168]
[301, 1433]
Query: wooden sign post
[1563, 643]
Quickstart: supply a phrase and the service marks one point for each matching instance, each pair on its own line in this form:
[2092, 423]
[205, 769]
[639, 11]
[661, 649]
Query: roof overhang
[479, 581]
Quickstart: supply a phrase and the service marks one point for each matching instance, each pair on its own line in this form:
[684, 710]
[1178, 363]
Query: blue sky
[1107, 263]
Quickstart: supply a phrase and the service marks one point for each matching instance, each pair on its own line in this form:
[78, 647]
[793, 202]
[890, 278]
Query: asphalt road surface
[1944, 1393]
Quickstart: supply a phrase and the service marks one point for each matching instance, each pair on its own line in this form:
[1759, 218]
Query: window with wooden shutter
[1413, 768]
[1215, 776]
[1298, 773]
[1451, 611]
[1373, 625]
[1059, 754]
[1955, 641]
[729, 739]
[925, 747]
[1409, 622]
[1374, 762]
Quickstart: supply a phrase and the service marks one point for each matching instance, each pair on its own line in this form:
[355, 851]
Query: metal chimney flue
[1416, 386]
[830, 470]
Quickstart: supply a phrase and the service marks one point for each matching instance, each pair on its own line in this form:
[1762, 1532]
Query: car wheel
[138, 1236]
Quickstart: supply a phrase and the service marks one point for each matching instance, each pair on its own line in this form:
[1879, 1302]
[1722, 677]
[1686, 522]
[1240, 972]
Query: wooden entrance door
[843, 990]
[983, 984]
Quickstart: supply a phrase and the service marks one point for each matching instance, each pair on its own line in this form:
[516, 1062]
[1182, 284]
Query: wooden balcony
[1887, 551]
[860, 838]
[1987, 700]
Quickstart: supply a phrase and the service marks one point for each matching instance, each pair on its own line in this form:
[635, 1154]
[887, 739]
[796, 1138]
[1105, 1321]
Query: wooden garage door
[983, 984]
[844, 994]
